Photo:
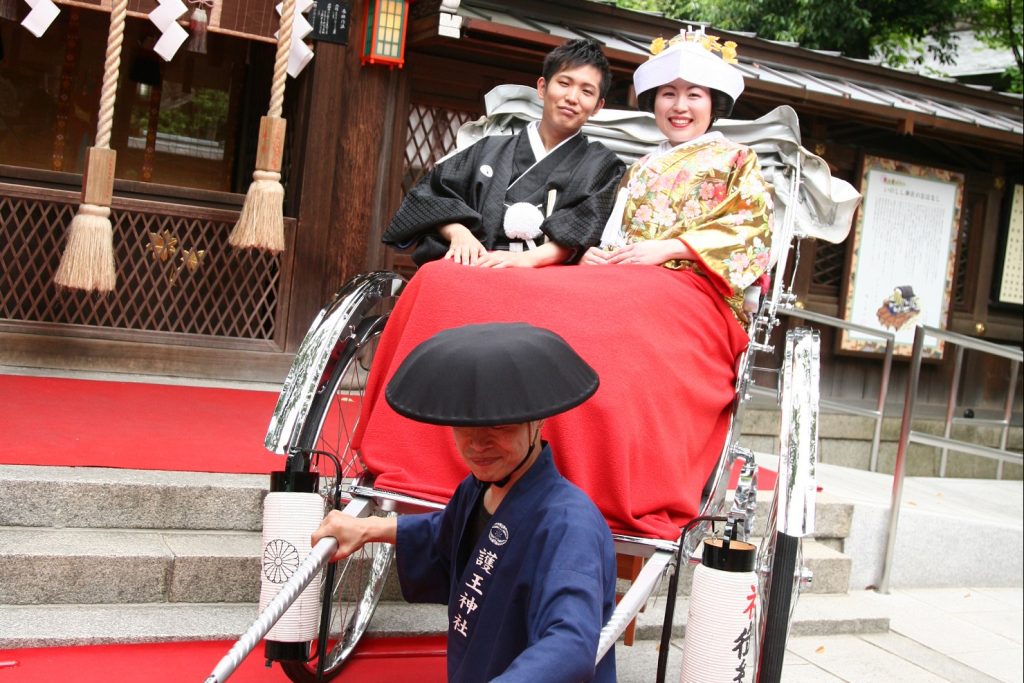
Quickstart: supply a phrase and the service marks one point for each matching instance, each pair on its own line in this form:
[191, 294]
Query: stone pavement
[963, 635]
[952, 533]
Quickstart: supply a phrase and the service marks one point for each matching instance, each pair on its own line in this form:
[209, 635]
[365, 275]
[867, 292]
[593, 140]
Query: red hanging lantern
[386, 23]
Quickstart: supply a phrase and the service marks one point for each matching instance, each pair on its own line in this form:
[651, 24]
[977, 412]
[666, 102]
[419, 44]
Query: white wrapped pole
[289, 520]
[318, 557]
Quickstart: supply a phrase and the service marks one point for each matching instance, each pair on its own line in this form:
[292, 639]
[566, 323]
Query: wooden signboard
[904, 254]
[331, 19]
[1010, 284]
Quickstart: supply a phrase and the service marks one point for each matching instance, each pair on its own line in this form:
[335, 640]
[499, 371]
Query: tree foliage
[893, 29]
[999, 24]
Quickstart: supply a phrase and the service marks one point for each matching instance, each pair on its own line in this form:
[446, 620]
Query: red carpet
[89, 423]
[398, 660]
[74, 422]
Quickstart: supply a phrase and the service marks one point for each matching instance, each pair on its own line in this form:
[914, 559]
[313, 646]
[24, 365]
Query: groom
[533, 199]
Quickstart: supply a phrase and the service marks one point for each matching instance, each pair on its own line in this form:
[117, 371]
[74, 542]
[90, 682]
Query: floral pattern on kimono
[710, 194]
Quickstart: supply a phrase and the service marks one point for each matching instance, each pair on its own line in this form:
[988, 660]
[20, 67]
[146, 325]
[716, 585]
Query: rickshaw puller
[521, 556]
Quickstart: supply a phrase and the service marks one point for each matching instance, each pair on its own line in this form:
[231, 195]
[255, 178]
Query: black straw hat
[490, 374]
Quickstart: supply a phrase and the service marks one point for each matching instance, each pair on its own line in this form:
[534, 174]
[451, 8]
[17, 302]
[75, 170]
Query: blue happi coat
[534, 592]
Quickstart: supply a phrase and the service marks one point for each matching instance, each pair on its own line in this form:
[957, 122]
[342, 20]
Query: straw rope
[261, 222]
[108, 90]
[88, 259]
[284, 46]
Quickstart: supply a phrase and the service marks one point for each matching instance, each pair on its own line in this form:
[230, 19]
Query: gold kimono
[710, 194]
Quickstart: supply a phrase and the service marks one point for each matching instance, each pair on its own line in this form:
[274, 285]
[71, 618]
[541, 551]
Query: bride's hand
[595, 257]
[648, 253]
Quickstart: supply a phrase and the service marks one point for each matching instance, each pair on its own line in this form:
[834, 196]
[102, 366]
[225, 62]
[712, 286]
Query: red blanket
[663, 343]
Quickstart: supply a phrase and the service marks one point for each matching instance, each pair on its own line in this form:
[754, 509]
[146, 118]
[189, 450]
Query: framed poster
[904, 254]
[1009, 282]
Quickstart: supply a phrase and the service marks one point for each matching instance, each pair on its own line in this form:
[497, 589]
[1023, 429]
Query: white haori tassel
[522, 222]
[517, 247]
[289, 520]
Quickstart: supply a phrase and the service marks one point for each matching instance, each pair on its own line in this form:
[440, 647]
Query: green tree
[895, 29]
[998, 23]
[198, 115]
[676, 9]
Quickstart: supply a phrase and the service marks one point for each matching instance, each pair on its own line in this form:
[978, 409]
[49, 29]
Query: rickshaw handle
[310, 567]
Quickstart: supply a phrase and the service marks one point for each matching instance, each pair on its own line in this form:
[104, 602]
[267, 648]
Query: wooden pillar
[345, 142]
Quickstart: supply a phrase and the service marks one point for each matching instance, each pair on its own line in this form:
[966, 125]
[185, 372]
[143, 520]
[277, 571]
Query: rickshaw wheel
[356, 583]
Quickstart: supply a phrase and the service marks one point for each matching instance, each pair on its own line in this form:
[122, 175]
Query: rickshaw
[320, 402]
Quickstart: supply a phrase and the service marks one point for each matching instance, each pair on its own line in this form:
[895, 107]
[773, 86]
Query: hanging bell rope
[88, 259]
[261, 223]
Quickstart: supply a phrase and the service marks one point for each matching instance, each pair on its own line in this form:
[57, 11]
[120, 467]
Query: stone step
[67, 566]
[832, 517]
[66, 625]
[846, 440]
[35, 496]
[101, 497]
[862, 612]
[946, 532]
[830, 570]
[193, 537]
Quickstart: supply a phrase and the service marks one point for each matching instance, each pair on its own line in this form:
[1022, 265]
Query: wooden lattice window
[972, 219]
[429, 136]
[230, 294]
[827, 272]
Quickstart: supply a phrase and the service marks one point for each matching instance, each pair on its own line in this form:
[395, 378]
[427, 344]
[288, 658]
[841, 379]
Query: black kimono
[473, 188]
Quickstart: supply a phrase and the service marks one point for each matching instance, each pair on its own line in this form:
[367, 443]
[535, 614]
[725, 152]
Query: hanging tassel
[197, 24]
[88, 259]
[261, 223]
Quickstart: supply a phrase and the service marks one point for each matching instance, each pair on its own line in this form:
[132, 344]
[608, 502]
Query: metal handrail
[1013, 354]
[878, 413]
